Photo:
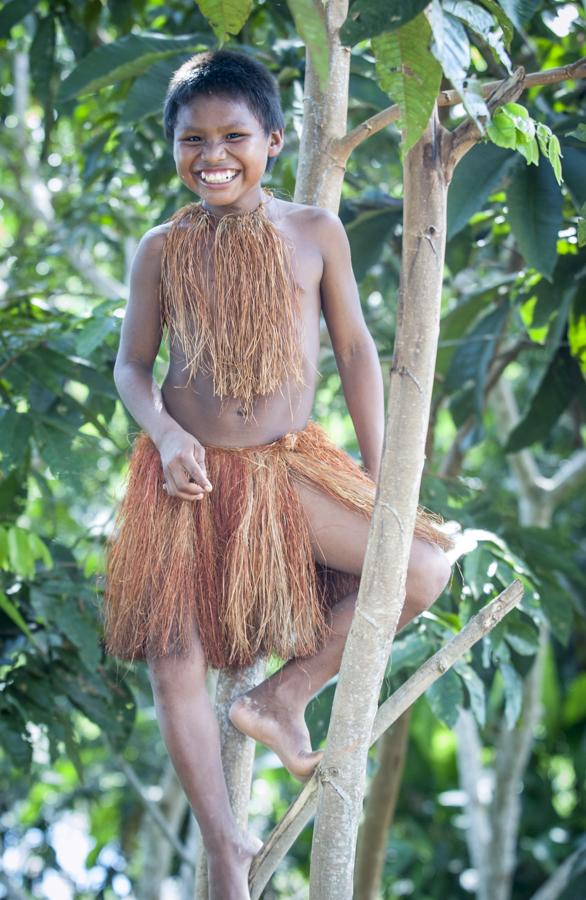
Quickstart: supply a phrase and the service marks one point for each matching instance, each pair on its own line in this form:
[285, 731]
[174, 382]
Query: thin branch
[151, 808]
[557, 882]
[344, 147]
[303, 807]
[568, 479]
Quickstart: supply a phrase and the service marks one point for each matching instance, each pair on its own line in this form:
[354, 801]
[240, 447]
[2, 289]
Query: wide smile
[216, 178]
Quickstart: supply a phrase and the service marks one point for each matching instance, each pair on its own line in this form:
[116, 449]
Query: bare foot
[228, 869]
[280, 729]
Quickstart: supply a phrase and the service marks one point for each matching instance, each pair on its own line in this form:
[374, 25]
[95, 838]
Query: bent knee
[428, 574]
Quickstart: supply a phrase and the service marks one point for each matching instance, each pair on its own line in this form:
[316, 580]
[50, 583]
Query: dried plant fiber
[231, 303]
[237, 564]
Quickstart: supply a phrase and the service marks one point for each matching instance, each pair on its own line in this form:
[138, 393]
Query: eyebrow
[191, 125]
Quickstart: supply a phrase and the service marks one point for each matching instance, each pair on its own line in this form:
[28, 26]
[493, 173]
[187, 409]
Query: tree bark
[380, 809]
[237, 753]
[319, 174]
[382, 589]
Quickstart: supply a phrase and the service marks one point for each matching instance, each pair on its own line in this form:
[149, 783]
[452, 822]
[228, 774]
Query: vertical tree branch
[319, 173]
[382, 591]
[380, 809]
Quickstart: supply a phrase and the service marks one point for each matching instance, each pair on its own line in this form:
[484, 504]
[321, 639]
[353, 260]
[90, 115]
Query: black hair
[227, 73]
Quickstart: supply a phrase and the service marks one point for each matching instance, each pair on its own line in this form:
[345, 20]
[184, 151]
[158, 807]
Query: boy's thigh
[339, 537]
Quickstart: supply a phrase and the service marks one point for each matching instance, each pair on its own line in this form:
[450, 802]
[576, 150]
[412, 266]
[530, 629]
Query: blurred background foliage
[84, 172]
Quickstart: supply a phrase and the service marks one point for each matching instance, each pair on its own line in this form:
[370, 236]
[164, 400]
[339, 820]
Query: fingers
[185, 476]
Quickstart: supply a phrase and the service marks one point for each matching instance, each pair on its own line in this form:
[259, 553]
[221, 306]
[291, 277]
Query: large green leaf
[553, 394]
[471, 360]
[312, 29]
[13, 12]
[451, 48]
[502, 18]
[408, 72]
[535, 215]
[42, 56]
[482, 23]
[367, 18]
[574, 169]
[125, 58]
[520, 12]
[476, 177]
[147, 94]
[226, 17]
[445, 696]
[368, 234]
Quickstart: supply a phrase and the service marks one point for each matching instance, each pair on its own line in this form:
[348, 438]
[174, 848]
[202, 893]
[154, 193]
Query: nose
[213, 151]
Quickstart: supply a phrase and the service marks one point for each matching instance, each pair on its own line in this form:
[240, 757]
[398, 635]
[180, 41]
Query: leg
[190, 730]
[273, 712]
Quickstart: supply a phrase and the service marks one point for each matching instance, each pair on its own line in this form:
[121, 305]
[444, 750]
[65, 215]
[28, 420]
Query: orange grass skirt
[237, 564]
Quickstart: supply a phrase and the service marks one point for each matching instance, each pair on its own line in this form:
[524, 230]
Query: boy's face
[220, 151]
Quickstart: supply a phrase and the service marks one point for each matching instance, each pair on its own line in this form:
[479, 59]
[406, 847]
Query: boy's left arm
[353, 346]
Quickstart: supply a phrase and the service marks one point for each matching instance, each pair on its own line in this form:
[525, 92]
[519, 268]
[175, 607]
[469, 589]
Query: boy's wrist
[163, 431]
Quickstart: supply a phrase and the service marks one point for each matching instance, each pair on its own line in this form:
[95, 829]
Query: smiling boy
[243, 529]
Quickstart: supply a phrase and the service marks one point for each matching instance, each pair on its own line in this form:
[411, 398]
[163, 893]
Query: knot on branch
[406, 371]
[327, 777]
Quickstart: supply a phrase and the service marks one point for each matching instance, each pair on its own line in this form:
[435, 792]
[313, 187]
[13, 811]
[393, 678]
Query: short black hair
[230, 74]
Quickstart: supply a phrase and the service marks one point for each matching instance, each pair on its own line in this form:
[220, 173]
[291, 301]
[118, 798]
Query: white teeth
[217, 177]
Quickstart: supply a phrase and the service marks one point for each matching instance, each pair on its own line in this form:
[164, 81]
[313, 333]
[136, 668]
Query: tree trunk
[380, 810]
[237, 751]
[319, 174]
[382, 589]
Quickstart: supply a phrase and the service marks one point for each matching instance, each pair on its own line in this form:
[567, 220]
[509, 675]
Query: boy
[243, 529]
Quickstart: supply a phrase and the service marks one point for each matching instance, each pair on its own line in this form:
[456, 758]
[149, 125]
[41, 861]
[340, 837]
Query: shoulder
[153, 241]
[318, 224]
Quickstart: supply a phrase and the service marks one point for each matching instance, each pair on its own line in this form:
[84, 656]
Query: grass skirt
[237, 564]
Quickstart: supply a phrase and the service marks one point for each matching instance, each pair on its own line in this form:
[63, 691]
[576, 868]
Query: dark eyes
[194, 139]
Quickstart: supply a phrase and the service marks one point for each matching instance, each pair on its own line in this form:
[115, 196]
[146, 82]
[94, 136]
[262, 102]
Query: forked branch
[303, 807]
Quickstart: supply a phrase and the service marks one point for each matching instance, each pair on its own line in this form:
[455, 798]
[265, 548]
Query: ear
[276, 141]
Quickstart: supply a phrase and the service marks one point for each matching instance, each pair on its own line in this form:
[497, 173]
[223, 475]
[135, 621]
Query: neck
[245, 204]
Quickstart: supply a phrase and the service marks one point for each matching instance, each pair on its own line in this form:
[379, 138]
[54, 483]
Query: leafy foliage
[98, 161]
[409, 74]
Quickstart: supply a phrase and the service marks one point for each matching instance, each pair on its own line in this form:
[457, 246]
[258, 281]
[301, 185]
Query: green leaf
[368, 18]
[13, 613]
[483, 23]
[311, 27]
[553, 394]
[476, 177]
[368, 233]
[573, 168]
[520, 12]
[15, 433]
[522, 635]
[407, 71]
[579, 133]
[550, 147]
[147, 94]
[476, 692]
[14, 739]
[125, 58]
[535, 215]
[502, 131]
[446, 697]
[226, 17]
[451, 48]
[14, 12]
[501, 17]
[513, 685]
[42, 56]
[20, 554]
[471, 360]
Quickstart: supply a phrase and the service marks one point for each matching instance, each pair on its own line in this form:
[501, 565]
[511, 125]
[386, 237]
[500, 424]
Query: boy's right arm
[182, 455]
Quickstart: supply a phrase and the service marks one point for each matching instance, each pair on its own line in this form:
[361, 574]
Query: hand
[183, 460]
